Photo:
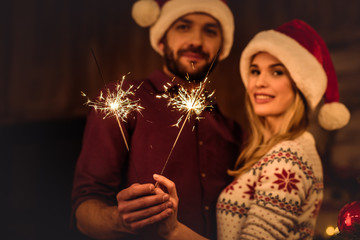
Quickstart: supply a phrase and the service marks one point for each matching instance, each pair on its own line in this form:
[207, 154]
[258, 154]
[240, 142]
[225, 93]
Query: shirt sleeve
[99, 172]
[283, 182]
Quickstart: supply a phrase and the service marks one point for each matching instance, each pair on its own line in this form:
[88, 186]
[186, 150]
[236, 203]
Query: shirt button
[203, 175]
[201, 143]
[206, 208]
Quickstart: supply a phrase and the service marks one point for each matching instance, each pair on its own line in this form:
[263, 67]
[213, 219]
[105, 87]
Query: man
[114, 195]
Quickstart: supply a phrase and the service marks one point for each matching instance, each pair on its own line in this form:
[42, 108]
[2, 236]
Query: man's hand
[139, 206]
[142, 205]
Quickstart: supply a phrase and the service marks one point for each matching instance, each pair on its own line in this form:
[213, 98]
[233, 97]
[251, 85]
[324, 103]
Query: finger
[135, 191]
[146, 213]
[151, 220]
[142, 203]
[170, 185]
[159, 191]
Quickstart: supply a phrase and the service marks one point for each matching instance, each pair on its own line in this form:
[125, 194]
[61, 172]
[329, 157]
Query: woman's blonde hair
[295, 123]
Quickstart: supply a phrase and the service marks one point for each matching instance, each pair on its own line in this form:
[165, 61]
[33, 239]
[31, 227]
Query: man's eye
[211, 32]
[182, 27]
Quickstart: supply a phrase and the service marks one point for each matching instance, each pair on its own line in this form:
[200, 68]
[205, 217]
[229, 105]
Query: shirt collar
[159, 79]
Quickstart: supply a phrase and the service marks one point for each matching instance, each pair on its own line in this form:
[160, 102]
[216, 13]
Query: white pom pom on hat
[333, 115]
[159, 15]
[305, 55]
[145, 12]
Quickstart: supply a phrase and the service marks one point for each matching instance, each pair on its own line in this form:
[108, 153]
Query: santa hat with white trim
[159, 15]
[305, 55]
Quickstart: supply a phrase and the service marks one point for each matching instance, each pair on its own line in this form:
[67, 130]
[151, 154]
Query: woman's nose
[261, 80]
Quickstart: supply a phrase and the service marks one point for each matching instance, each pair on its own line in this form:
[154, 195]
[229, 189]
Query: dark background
[45, 62]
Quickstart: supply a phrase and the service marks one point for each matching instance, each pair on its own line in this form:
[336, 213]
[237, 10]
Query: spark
[190, 102]
[117, 104]
[194, 100]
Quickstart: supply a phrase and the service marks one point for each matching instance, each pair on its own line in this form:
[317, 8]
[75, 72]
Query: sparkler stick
[116, 104]
[189, 102]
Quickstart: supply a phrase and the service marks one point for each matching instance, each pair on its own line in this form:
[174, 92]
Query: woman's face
[270, 87]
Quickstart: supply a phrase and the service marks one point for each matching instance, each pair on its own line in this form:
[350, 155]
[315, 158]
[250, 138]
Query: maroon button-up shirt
[205, 150]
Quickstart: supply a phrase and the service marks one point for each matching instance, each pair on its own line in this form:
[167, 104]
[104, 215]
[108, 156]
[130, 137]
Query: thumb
[170, 185]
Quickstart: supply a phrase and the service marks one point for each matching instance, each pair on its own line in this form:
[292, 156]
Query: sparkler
[116, 103]
[188, 101]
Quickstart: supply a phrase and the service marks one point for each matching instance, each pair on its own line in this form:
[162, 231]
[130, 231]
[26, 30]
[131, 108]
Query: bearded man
[113, 193]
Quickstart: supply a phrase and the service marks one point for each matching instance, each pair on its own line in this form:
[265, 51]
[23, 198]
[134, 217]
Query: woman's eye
[278, 73]
[254, 72]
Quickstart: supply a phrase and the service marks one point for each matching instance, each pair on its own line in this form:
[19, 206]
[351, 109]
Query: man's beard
[175, 66]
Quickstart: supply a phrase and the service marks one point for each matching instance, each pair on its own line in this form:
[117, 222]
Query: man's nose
[196, 38]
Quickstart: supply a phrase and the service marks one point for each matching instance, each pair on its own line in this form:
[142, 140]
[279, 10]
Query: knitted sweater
[278, 198]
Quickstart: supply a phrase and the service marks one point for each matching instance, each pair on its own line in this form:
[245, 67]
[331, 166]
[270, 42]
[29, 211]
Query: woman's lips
[263, 98]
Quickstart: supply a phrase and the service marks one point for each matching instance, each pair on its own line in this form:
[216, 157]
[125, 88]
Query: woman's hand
[170, 225]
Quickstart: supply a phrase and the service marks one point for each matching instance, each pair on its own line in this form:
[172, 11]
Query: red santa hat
[305, 55]
[159, 15]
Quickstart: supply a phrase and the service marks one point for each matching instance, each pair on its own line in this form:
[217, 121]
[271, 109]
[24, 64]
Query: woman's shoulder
[300, 154]
[303, 142]
[303, 146]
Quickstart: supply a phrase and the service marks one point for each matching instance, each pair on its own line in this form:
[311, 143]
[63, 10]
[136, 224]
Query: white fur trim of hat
[147, 14]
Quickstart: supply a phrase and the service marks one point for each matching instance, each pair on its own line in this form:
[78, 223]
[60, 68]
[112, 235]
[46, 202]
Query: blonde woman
[278, 181]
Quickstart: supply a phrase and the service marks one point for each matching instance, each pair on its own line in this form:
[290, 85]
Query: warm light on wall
[330, 230]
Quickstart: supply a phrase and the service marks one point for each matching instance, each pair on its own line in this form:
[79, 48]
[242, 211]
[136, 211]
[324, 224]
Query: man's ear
[161, 45]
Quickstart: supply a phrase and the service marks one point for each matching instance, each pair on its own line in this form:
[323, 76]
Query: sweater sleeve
[281, 195]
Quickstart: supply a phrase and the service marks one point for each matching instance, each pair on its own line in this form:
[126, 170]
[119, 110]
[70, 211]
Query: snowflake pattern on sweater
[278, 198]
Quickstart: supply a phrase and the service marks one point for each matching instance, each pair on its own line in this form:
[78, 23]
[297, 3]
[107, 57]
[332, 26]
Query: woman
[278, 186]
